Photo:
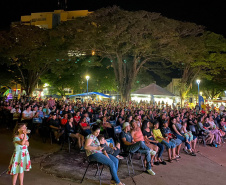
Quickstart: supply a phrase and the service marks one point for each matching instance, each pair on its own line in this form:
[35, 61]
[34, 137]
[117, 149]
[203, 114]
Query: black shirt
[148, 134]
[54, 123]
[70, 129]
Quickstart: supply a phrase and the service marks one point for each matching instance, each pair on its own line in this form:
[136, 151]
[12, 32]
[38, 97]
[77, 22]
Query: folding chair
[98, 169]
[113, 123]
[90, 124]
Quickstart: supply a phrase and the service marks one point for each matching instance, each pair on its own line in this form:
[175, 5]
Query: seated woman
[149, 138]
[176, 128]
[40, 113]
[216, 126]
[85, 128]
[213, 129]
[166, 131]
[137, 136]
[223, 124]
[72, 132]
[206, 132]
[94, 153]
[187, 134]
[169, 145]
[129, 145]
[77, 118]
[64, 120]
[108, 127]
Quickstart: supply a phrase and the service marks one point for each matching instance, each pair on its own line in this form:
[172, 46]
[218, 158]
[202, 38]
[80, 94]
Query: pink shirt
[138, 135]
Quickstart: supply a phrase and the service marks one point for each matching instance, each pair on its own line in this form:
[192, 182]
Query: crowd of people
[145, 128]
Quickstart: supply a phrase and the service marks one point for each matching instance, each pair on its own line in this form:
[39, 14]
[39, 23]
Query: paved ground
[207, 168]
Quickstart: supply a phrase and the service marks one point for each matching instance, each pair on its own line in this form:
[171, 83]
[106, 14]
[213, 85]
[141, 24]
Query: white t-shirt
[27, 114]
[33, 112]
[14, 110]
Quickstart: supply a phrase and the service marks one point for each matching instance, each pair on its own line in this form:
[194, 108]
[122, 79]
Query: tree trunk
[125, 74]
[125, 94]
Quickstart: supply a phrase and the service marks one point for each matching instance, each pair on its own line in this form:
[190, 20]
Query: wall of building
[173, 86]
[49, 20]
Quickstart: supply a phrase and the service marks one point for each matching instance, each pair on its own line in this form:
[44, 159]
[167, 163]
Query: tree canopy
[128, 40]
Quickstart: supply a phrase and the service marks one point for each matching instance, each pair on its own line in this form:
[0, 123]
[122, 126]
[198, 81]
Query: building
[49, 20]
[173, 86]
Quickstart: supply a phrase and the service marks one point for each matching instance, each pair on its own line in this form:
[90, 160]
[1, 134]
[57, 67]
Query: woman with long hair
[94, 153]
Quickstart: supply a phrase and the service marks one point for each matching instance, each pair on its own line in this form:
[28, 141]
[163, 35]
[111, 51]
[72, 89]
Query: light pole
[198, 82]
[87, 78]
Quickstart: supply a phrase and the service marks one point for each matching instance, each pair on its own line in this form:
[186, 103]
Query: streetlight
[198, 82]
[87, 78]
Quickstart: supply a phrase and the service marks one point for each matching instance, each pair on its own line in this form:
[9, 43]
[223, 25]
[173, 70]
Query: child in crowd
[109, 149]
[188, 135]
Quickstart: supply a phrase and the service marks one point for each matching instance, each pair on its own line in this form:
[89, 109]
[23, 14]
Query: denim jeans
[161, 148]
[183, 140]
[142, 148]
[169, 144]
[112, 163]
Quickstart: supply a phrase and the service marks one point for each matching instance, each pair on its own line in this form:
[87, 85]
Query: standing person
[94, 153]
[20, 160]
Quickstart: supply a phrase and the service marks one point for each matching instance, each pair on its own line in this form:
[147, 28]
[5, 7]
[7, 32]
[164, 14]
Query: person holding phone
[94, 153]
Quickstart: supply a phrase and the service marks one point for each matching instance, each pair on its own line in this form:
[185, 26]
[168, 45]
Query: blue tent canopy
[91, 93]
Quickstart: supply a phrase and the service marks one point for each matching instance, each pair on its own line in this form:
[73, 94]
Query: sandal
[120, 157]
[192, 154]
[170, 160]
[178, 156]
[176, 159]
[163, 163]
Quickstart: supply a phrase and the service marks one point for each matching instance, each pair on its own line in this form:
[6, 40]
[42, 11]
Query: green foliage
[129, 40]
[31, 52]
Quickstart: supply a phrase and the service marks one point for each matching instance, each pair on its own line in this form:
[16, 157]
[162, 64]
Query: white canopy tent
[153, 93]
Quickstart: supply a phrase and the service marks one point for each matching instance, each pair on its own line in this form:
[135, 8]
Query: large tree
[31, 52]
[200, 56]
[128, 39]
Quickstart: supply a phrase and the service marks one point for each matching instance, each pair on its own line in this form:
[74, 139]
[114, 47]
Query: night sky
[211, 15]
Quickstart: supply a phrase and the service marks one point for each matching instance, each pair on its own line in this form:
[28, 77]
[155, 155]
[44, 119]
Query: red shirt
[84, 124]
[63, 121]
[77, 118]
